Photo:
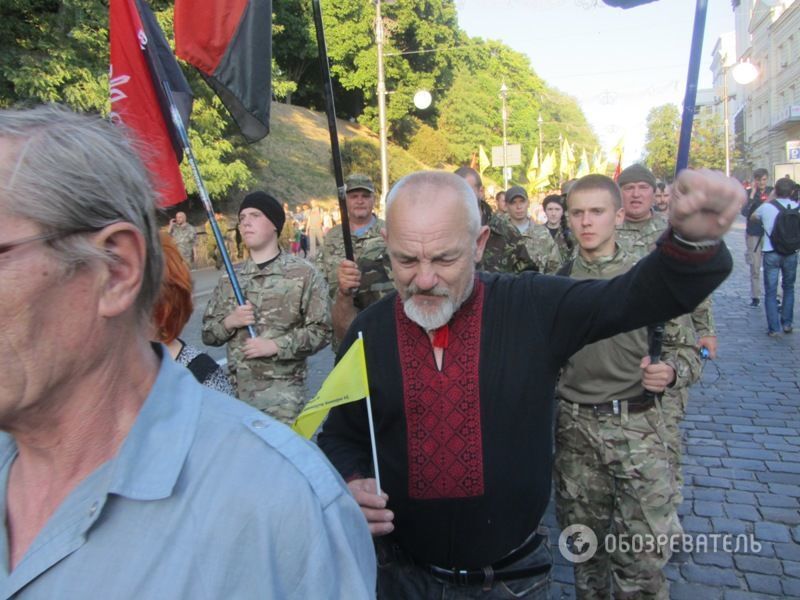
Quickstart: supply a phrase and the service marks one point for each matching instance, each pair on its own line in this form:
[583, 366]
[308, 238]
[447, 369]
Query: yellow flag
[533, 168]
[483, 160]
[346, 383]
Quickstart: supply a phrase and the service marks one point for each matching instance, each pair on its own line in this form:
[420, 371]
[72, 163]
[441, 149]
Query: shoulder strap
[778, 205]
[202, 366]
[566, 268]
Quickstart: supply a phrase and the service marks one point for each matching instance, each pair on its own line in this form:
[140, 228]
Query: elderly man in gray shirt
[120, 475]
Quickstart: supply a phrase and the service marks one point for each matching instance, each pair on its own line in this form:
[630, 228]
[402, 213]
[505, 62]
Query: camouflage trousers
[673, 409]
[613, 475]
[281, 399]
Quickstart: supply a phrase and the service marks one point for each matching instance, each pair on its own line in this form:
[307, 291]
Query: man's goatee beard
[430, 320]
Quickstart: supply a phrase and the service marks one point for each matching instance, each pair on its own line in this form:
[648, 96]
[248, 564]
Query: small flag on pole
[483, 160]
[347, 382]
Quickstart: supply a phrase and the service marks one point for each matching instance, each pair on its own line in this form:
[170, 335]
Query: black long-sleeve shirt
[529, 325]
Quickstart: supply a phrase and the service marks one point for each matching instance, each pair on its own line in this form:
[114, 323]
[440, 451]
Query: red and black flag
[141, 65]
[230, 43]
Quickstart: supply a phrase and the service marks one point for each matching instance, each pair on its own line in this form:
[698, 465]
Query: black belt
[496, 572]
[636, 404]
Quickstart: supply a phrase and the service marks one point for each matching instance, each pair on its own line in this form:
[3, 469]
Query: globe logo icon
[577, 543]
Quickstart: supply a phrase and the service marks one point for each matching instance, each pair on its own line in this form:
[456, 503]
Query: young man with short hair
[613, 473]
[287, 303]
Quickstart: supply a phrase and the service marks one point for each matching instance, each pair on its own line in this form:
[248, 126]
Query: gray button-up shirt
[206, 498]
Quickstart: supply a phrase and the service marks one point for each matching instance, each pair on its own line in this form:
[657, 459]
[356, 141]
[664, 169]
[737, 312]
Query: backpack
[785, 236]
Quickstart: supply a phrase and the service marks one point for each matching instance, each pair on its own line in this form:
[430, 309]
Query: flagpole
[330, 110]
[372, 434]
[183, 136]
[691, 86]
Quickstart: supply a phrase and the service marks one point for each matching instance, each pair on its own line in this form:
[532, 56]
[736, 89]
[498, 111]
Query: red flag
[230, 43]
[618, 170]
[135, 97]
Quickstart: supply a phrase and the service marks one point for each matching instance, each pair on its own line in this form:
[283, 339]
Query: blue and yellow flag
[346, 383]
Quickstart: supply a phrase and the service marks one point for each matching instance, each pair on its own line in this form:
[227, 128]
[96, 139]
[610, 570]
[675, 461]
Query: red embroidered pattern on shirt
[443, 412]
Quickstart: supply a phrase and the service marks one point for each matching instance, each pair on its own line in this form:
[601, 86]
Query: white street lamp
[744, 72]
[422, 99]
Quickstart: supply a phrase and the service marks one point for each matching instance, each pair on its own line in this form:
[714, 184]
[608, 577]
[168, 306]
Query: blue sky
[617, 63]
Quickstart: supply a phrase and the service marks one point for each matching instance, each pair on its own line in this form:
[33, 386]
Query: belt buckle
[615, 407]
[462, 577]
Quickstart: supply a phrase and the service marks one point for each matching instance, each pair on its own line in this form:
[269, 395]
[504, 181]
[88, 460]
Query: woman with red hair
[171, 313]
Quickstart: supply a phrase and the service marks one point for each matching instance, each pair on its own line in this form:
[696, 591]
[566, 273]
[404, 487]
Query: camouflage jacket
[639, 239]
[370, 253]
[565, 243]
[541, 248]
[184, 236]
[609, 369]
[291, 309]
[505, 250]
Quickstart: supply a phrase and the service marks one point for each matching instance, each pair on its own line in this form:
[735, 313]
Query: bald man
[462, 369]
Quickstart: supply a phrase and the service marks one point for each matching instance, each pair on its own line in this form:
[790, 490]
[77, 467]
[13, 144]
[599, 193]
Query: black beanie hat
[271, 208]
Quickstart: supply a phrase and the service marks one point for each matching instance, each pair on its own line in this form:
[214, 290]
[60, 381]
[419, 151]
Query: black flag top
[627, 3]
[166, 71]
[230, 43]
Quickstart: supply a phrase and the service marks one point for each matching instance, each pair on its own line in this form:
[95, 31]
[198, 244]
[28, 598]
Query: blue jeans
[786, 266]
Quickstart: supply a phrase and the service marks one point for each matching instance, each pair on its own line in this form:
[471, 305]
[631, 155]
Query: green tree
[417, 32]
[661, 142]
[707, 149]
[57, 51]
[470, 112]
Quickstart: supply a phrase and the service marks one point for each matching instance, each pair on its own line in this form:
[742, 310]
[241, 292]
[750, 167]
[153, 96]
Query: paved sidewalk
[741, 458]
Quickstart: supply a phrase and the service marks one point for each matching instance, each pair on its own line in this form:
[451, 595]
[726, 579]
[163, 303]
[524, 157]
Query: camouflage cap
[514, 192]
[635, 173]
[359, 182]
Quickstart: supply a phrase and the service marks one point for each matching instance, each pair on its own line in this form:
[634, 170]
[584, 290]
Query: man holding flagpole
[462, 370]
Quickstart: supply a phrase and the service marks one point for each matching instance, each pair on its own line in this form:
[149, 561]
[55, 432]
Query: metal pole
[690, 98]
[727, 124]
[330, 110]
[183, 136]
[540, 121]
[503, 94]
[382, 103]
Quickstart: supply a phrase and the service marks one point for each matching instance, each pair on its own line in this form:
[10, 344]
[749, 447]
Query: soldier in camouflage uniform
[287, 305]
[540, 244]
[638, 235]
[184, 235]
[368, 279]
[505, 250]
[612, 468]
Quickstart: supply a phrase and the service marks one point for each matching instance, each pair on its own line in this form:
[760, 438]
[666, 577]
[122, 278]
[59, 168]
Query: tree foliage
[661, 142]
[57, 51]
[708, 143]
[471, 110]
[707, 148]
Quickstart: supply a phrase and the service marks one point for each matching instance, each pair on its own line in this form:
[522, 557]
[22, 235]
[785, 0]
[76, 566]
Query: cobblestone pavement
[741, 455]
[741, 458]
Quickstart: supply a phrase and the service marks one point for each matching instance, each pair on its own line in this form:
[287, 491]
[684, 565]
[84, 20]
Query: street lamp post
[503, 94]
[743, 73]
[381, 102]
[540, 121]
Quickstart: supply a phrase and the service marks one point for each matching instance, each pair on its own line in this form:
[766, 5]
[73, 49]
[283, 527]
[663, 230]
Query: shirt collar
[152, 456]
